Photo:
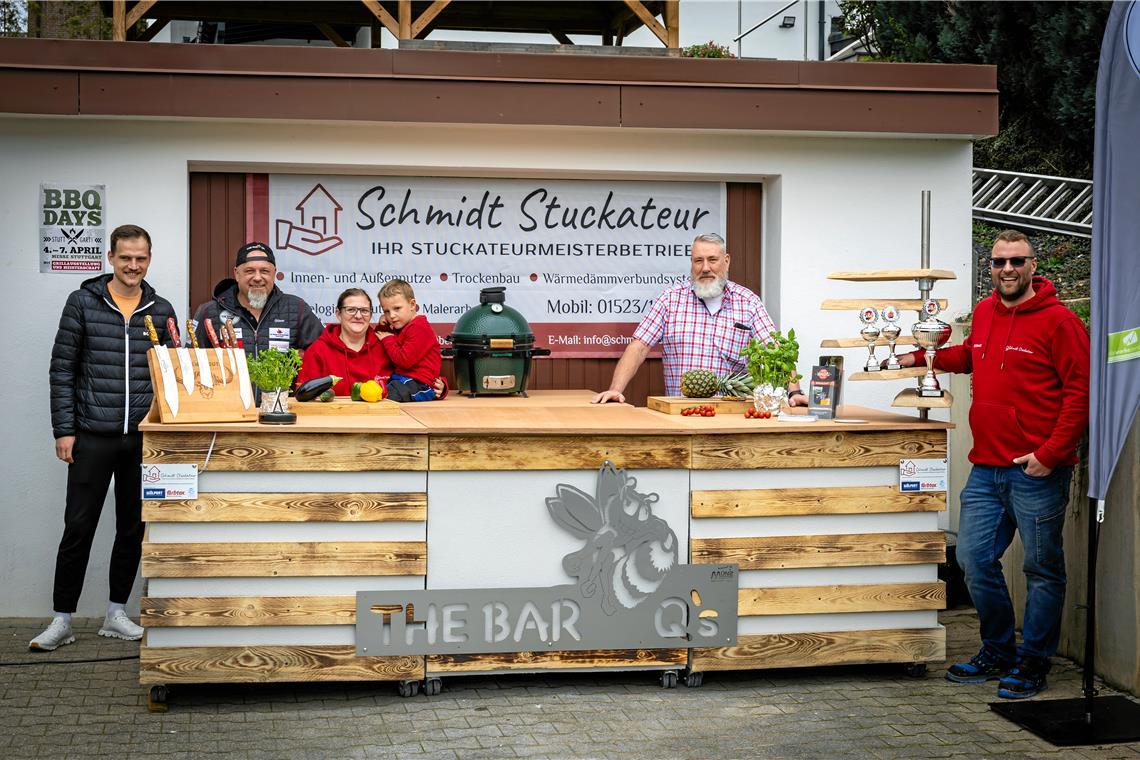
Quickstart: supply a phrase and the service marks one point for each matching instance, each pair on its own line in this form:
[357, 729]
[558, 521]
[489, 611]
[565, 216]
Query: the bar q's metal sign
[631, 592]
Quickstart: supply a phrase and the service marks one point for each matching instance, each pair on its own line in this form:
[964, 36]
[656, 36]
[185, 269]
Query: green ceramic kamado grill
[492, 346]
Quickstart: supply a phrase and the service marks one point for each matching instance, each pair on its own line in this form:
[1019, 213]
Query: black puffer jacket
[99, 377]
[286, 318]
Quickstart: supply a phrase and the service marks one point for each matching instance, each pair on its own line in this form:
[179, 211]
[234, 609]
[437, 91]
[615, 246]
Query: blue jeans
[996, 502]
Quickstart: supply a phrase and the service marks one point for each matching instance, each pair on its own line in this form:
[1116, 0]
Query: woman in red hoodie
[350, 349]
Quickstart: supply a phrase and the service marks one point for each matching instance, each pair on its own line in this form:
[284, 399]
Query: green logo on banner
[1124, 345]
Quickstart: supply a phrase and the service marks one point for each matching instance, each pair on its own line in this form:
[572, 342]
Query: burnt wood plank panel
[167, 612]
[288, 452]
[866, 597]
[262, 559]
[831, 449]
[290, 507]
[799, 650]
[267, 664]
[846, 550]
[564, 660]
[836, 500]
[570, 452]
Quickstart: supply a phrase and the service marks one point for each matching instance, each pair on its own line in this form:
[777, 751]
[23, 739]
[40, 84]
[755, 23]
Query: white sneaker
[57, 634]
[118, 626]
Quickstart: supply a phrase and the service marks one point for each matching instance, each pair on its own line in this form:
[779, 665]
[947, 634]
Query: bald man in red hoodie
[1029, 355]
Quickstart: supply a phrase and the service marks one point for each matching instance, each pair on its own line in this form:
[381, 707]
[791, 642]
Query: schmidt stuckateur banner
[580, 259]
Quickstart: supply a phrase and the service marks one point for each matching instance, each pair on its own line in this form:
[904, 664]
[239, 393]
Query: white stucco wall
[834, 203]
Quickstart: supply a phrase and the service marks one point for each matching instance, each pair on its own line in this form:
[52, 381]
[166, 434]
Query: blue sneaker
[981, 668]
[1025, 680]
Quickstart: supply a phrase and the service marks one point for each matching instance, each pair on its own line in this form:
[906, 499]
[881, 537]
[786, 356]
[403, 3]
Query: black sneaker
[981, 668]
[1025, 680]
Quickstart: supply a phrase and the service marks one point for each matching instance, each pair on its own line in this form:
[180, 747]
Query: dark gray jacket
[99, 377]
[284, 313]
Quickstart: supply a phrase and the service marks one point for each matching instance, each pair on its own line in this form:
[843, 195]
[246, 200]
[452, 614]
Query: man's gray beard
[258, 298]
[712, 290]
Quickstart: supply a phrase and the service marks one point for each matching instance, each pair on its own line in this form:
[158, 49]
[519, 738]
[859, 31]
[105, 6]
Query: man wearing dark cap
[263, 316]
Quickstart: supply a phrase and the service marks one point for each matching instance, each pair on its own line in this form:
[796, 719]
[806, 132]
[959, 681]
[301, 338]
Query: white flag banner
[580, 259]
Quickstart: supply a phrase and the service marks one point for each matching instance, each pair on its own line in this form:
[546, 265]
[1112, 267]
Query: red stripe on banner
[589, 340]
[257, 208]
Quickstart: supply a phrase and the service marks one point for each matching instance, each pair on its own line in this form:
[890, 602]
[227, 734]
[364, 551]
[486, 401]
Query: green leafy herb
[272, 370]
[773, 361]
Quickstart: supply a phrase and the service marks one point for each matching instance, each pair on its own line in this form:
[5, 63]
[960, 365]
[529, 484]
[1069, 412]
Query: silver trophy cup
[932, 334]
[870, 333]
[891, 331]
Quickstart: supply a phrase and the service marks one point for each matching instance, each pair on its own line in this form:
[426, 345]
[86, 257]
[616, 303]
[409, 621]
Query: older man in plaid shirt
[703, 324]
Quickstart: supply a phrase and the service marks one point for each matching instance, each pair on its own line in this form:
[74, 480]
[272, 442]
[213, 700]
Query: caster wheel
[409, 688]
[669, 679]
[432, 686]
[693, 680]
[916, 670]
[156, 699]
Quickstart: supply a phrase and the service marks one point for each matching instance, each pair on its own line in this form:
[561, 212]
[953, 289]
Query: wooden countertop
[557, 413]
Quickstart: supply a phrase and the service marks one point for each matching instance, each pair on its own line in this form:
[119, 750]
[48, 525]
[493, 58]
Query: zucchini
[356, 391]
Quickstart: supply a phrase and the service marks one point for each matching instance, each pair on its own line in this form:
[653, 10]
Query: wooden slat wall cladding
[290, 507]
[779, 502]
[284, 559]
[267, 664]
[218, 228]
[595, 658]
[797, 650]
[857, 549]
[837, 449]
[165, 612]
[868, 597]
[523, 452]
[288, 452]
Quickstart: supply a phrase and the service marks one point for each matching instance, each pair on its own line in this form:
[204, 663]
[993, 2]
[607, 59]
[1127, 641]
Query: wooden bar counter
[255, 580]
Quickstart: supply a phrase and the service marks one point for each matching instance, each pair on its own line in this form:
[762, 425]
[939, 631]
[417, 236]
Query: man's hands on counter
[607, 396]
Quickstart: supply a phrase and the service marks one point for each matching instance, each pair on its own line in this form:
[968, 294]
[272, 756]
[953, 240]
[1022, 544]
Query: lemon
[371, 391]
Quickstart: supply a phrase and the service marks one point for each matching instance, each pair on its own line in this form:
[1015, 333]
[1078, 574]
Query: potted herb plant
[772, 366]
[273, 372]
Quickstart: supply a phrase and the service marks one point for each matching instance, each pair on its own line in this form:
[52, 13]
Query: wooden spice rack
[925, 278]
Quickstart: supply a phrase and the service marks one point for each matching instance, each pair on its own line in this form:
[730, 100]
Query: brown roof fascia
[220, 81]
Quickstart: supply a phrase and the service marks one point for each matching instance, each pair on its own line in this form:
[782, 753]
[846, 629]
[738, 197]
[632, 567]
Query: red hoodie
[414, 350]
[328, 355]
[1031, 379]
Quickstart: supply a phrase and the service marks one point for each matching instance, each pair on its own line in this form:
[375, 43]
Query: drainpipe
[822, 31]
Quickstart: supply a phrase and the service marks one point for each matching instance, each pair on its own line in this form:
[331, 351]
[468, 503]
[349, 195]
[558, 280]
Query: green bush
[708, 49]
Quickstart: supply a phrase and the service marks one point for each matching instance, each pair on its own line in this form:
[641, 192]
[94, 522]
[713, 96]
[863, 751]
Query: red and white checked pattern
[691, 338]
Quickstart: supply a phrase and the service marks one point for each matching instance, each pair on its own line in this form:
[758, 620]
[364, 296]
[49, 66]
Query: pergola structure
[612, 20]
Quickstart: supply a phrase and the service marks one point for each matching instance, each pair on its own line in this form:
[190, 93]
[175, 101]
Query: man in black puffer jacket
[263, 315]
[101, 390]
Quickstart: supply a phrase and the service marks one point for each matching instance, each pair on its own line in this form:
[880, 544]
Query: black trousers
[96, 459]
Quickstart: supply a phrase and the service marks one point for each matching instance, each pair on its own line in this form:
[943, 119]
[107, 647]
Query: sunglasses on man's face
[1017, 262]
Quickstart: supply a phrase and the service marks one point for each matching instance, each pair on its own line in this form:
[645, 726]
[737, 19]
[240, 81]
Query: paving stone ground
[97, 709]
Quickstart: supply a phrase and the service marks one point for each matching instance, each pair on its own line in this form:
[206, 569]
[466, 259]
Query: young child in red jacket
[410, 343]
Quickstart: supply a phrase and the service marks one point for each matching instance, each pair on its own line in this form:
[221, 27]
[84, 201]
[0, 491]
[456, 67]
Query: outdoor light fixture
[788, 22]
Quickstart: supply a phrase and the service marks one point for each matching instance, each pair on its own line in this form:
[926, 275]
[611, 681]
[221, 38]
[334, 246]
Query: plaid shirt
[691, 338]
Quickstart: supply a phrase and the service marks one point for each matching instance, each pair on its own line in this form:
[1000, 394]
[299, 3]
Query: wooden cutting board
[343, 406]
[674, 404]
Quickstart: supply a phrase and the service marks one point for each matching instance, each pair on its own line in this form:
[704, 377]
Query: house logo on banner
[631, 592]
[317, 228]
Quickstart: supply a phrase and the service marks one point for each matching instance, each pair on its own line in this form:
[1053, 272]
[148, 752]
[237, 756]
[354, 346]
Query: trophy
[931, 334]
[870, 333]
[891, 332]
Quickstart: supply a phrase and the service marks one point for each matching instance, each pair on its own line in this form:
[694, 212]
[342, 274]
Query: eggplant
[311, 389]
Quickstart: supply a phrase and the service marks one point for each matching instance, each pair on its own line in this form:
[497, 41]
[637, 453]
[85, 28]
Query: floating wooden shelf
[910, 399]
[911, 304]
[894, 275]
[860, 343]
[891, 374]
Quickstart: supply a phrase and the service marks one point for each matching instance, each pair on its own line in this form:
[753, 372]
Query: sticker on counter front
[169, 481]
[922, 475]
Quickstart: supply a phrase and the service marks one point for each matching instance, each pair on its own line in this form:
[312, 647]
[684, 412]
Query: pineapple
[703, 383]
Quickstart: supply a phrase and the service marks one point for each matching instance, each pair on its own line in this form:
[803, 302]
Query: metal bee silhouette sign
[631, 591]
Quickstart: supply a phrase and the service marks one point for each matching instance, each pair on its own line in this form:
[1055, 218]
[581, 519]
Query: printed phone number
[614, 306]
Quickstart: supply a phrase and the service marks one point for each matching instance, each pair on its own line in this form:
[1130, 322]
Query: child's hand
[381, 334]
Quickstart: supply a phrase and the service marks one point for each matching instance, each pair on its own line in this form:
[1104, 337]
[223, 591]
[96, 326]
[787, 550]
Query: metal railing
[1035, 201]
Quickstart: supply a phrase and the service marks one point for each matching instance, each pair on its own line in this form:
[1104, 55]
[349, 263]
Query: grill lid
[492, 318]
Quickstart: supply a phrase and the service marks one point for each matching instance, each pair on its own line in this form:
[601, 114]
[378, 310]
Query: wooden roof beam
[136, 13]
[650, 21]
[383, 16]
[427, 17]
[559, 35]
[332, 35]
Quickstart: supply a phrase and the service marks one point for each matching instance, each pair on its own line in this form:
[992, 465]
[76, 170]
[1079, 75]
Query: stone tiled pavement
[96, 710]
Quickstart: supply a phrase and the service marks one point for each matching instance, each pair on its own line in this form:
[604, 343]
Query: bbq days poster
[582, 260]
